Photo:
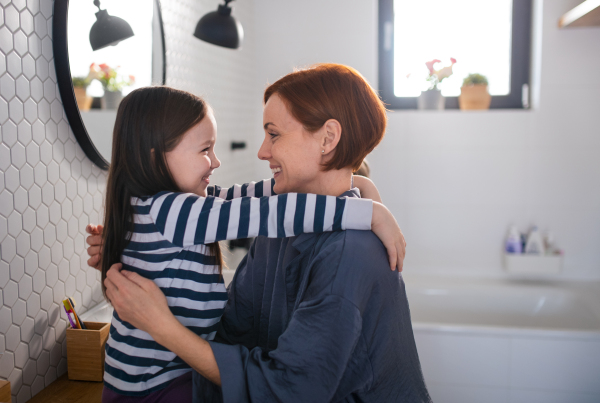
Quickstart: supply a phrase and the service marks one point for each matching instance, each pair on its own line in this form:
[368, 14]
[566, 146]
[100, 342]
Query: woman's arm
[141, 303]
[288, 373]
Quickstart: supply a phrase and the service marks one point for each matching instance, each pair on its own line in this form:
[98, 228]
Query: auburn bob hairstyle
[334, 91]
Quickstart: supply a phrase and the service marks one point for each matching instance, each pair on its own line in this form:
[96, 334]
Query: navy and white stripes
[168, 246]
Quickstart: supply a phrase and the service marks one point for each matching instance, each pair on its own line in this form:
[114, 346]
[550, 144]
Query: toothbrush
[75, 313]
[69, 307]
[73, 326]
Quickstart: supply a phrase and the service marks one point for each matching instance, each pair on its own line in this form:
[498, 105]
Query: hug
[316, 311]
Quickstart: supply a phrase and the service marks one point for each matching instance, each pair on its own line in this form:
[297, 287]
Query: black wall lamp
[108, 30]
[220, 28]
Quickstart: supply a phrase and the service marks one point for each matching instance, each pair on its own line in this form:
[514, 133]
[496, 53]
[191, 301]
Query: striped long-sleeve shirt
[168, 245]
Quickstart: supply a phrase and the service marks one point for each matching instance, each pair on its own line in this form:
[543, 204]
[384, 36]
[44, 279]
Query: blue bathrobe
[316, 318]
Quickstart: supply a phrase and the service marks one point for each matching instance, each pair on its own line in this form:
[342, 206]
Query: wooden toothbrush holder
[85, 351]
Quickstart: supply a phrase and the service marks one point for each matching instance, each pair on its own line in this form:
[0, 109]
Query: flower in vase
[109, 77]
[437, 76]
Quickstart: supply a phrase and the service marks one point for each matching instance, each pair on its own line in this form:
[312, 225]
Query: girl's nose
[216, 162]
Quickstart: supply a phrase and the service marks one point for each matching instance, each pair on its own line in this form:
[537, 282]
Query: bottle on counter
[513, 241]
[535, 242]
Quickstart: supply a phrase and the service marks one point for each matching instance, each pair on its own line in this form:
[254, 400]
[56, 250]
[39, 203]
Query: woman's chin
[279, 188]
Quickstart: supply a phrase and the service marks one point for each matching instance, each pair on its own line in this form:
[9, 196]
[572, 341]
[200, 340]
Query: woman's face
[193, 160]
[294, 154]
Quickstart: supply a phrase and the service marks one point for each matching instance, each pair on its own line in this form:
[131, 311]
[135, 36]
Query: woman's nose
[264, 153]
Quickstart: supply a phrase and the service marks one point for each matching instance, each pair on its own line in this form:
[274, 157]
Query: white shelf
[527, 264]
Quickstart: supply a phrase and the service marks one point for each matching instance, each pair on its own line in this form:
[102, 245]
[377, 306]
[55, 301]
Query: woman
[318, 317]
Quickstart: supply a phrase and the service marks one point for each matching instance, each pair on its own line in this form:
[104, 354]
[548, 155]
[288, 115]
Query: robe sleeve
[312, 356]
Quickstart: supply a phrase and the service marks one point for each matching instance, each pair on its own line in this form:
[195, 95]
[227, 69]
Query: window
[490, 38]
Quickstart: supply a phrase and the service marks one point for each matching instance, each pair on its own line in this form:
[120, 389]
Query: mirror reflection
[102, 77]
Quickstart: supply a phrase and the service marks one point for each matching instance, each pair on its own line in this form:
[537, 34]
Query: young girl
[161, 223]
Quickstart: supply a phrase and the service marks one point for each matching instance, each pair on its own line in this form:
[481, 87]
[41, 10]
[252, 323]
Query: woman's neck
[331, 183]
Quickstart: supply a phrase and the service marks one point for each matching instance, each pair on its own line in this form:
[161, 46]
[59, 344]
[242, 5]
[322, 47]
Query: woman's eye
[273, 135]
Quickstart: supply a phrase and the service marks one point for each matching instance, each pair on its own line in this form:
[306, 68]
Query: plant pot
[474, 97]
[431, 100]
[111, 99]
[84, 101]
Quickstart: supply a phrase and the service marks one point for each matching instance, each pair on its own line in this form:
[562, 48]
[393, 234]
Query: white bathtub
[492, 341]
[507, 341]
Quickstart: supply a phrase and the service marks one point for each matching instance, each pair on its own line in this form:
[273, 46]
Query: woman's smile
[276, 171]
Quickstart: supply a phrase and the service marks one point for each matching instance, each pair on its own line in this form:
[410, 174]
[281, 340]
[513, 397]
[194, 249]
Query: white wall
[224, 77]
[457, 180]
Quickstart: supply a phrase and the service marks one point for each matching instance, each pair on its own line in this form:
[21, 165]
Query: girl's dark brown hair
[334, 91]
[150, 122]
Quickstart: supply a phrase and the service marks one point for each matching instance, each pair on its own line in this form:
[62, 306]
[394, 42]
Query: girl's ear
[331, 137]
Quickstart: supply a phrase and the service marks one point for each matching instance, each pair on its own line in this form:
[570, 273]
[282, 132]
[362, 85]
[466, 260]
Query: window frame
[518, 98]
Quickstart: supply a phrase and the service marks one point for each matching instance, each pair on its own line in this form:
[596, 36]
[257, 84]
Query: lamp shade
[220, 28]
[108, 30]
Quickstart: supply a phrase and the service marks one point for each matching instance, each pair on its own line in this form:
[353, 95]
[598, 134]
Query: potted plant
[432, 98]
[84, 101]
[474, 93]
[112, 82]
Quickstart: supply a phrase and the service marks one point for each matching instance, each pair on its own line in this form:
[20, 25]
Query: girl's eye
[205, 150]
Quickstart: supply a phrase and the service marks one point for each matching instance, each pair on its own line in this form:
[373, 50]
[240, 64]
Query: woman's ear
[331, 137]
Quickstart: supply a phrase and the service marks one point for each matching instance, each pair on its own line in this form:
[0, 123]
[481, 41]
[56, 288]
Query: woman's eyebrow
[269, 123]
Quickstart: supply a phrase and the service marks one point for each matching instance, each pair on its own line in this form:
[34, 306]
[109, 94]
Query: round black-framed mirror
[64, 76]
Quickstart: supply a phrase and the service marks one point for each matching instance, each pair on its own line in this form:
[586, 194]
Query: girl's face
[193, 160]
[294, 154]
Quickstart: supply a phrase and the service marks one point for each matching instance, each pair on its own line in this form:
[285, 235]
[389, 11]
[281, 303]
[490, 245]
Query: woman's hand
[95, 242]
[367, 188]
[385, 226]
[138, 301]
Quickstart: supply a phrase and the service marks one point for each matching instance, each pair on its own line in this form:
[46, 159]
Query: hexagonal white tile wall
[36, 135]
[35, 227]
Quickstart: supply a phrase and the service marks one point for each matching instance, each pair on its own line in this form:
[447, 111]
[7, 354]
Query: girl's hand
[138, 301]
[367, 188]
[385, 226]
[95, 242]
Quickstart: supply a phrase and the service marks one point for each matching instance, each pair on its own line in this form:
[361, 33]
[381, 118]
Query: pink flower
[430, 65]
[452, 60]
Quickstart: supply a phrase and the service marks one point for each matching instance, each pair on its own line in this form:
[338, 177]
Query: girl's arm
[367, 188]
[252, 189]
[185, 219]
